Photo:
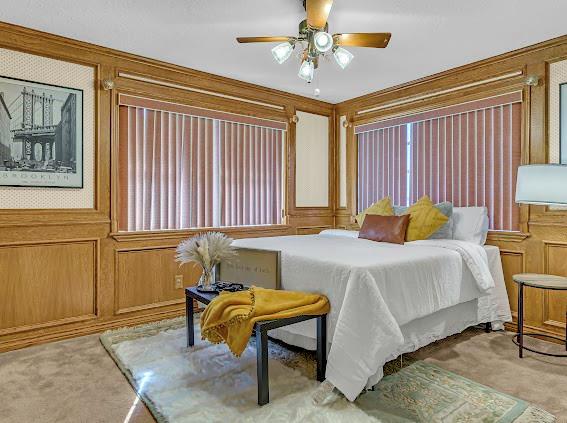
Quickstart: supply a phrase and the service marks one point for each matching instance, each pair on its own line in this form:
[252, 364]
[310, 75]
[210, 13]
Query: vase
[206, 280]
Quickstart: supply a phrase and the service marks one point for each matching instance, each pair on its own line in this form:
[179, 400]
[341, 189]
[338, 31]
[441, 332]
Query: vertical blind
[178, 170]
[250, 174]
[467, 154]
[382, 165]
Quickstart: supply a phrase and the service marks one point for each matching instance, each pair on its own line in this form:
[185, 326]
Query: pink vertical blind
[382, 165]
[250, 175]
[166, 170]
[470, 159]
[183, 171]
[466, 154]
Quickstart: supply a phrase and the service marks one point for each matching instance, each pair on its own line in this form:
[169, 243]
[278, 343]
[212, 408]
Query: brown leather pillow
[385, 228]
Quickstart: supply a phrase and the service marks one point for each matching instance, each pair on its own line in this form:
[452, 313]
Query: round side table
[555, 283]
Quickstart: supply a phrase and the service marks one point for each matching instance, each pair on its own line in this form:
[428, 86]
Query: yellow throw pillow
[425, 219]
[381, 208]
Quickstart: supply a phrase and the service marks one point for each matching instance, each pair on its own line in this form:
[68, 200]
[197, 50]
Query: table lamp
[542, 184]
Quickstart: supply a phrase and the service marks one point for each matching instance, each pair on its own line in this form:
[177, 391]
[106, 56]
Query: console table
[261, 329]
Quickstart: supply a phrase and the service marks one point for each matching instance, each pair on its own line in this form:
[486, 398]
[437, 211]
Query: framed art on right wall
[563, 122]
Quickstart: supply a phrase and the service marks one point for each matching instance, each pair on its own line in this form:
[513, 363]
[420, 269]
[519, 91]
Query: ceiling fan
[316, 41]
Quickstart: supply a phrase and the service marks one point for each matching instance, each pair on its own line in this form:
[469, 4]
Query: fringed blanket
[231, 317]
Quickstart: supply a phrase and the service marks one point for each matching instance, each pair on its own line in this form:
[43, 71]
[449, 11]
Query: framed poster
[41, 135]
[563, 123]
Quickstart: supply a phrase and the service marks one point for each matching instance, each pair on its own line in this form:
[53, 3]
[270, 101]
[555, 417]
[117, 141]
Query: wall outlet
[178, 281]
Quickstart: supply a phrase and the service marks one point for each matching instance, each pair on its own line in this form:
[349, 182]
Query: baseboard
[96, 326]
[513, 327]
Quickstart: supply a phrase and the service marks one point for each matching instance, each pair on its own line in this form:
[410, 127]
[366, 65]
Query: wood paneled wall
[541, 247]
[69, 272]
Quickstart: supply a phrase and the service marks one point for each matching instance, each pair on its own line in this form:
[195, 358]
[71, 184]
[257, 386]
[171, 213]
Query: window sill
[233, 231]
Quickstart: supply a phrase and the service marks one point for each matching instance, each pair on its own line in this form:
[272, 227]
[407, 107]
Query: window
[183, 167]
[467, 154]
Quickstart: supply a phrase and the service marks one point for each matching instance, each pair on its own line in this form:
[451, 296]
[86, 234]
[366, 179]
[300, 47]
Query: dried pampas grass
[207, 249]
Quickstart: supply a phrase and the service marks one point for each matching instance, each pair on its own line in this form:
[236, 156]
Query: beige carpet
[76, 381]
[68, 381]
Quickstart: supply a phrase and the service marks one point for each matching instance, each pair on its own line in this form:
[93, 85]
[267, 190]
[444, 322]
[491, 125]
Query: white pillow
[343, 233]
[470, 224]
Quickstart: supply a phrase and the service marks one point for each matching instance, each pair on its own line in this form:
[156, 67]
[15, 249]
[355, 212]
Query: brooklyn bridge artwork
[41, 135]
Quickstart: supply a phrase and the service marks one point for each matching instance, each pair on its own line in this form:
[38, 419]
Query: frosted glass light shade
[542, 184]
[343, 57]
[306, 70]
[323, 41]
[282, 52]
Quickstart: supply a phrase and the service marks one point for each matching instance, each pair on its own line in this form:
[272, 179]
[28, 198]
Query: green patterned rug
[423, 392]
[207, 384]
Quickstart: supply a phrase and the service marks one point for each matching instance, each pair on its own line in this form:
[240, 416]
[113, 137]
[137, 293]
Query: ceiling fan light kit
[316, 41]
[307, 70]
[342, 56]
[282, 51]
[323, 41]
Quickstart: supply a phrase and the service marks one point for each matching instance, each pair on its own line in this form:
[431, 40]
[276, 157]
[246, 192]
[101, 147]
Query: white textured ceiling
[429, 36]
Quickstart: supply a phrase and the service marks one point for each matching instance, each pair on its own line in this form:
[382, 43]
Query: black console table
[261, 329]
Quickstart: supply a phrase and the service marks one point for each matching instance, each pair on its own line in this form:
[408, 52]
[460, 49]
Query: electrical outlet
[178, 281]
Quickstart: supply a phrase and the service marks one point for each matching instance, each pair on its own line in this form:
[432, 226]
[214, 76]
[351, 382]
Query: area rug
[207, 384]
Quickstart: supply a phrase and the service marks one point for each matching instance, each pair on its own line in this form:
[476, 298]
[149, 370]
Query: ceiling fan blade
[318, 12]
[361, 39]
[263, 39]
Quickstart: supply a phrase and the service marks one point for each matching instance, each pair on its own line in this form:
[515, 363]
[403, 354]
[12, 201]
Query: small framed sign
[41, 135]
[252, 267]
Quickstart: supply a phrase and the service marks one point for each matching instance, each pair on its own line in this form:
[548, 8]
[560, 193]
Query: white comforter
[374, 288]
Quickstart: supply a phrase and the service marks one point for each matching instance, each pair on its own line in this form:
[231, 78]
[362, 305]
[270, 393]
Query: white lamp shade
[343, 57]
[282, 52]
[542, 184]
[306, 70]
[323, 41]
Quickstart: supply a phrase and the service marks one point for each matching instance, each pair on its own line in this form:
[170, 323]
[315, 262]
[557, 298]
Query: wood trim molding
[493, 65]
[50, 45]
[521, 254]
[241, 231]
[52, 217]
[152, 306]
[157, 81]
[495, 236]
[87, 327]
[439, 93]
[44, 325]
[292, 209]
[96, 264]
[547, 320]
[308, 230]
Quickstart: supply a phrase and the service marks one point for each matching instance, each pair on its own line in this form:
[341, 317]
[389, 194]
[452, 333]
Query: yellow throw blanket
[231, 317]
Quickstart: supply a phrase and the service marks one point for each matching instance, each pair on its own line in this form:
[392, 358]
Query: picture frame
[41, 134]
[563, 123]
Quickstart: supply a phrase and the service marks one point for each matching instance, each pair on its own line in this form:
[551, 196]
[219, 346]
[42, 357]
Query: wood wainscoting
[68, 272]
[143, 278]
[48, 284]
[541, 246]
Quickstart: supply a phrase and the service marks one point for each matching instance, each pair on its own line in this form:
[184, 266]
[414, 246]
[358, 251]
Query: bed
[386, 299]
